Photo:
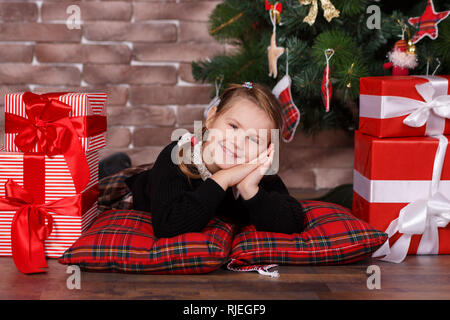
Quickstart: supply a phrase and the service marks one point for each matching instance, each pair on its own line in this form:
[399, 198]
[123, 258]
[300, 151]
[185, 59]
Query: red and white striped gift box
[58, 179]
[58, 183]
[385, 102]
[66, 230]
[83, 104]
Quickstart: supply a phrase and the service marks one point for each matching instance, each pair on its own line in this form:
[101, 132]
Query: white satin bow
[423, 216]
[440, 105]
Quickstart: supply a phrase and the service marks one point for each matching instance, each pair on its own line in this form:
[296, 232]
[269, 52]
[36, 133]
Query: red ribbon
[49, 127]
[29, 229]
[277, 6]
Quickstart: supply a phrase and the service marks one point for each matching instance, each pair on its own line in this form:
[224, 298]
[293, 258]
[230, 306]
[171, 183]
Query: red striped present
[66, 230]
[58, 181]
[88, 114]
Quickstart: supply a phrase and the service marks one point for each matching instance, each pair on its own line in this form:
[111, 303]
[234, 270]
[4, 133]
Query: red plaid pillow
[123, 241]
[332, 235]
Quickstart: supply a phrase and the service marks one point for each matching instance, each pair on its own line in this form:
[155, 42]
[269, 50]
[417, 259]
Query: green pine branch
[359, 52]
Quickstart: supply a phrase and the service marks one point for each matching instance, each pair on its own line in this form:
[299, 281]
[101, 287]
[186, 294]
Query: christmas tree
[360, 32]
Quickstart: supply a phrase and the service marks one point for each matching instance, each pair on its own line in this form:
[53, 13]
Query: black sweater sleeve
[273, 209]
[175, 208]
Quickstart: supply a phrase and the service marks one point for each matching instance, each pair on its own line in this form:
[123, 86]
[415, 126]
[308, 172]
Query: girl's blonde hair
[260, 94]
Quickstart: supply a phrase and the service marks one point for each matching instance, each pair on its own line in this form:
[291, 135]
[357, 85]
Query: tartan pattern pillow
[123, 241]
[332, 235]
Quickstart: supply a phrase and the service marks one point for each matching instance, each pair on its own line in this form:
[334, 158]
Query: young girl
[226, 172]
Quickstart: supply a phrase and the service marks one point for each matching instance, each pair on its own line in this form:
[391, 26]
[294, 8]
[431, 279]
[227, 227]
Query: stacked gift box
[402, 163]
[49, 173]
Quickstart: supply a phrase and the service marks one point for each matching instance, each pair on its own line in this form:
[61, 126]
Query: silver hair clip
[248, 84]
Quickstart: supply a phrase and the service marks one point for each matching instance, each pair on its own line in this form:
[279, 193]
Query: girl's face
[239, 135]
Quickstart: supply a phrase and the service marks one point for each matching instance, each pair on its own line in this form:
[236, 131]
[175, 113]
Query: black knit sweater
[177, 208]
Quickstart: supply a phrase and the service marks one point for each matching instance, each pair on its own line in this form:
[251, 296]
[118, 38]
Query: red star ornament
[427, 22]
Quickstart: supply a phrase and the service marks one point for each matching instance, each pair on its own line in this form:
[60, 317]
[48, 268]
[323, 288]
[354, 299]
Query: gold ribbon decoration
[329, 11]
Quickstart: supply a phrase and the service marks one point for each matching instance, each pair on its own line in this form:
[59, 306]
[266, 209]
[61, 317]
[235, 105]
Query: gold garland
[226, 23]
[245, 66]
[329, 11]
[350, 73]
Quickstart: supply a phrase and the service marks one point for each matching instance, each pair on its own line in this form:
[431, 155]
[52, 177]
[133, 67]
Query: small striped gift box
[90, 106]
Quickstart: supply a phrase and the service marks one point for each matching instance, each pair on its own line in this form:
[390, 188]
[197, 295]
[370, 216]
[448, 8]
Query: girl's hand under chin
[248, 187]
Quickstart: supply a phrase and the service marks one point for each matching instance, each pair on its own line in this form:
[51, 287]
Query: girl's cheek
[251, 153]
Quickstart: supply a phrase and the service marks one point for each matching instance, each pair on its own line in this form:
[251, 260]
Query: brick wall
[140, 53]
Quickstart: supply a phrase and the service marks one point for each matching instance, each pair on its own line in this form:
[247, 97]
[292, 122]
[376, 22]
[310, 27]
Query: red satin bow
[48, 125]
[277, 6]
[29, 229]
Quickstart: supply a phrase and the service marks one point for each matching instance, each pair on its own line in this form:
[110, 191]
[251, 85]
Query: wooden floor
[418, 277]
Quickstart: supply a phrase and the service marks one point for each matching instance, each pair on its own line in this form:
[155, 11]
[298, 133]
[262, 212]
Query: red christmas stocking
[291, 114]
